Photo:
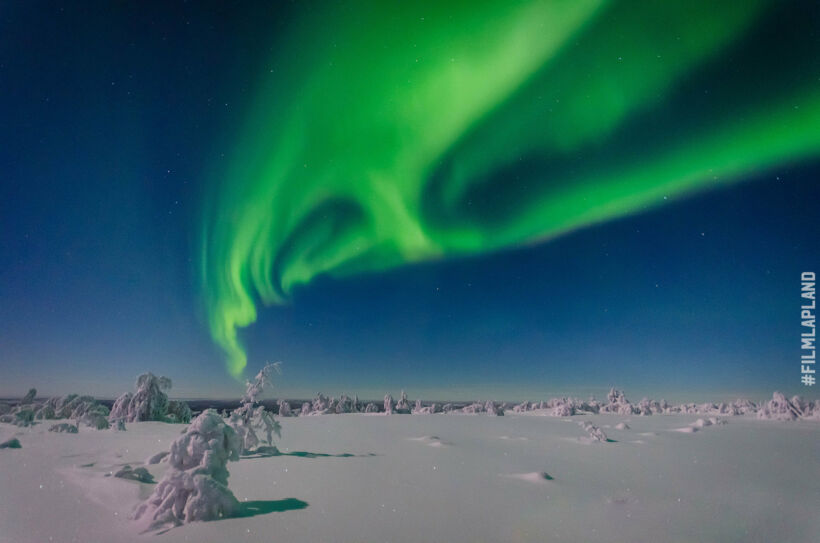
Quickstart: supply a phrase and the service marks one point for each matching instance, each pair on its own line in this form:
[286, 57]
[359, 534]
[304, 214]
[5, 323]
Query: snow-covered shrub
[743, 407]
[248, 418]
[149, 402]
[563, 409]
[284, 409]
[23, 417]
[83, 409]
[646, 407]
[63, 427]
[594, 432]
[195, 487]
[473, 408]
[431, 409]
[780, 408]
[28, 399]
[402, 406]
[388, 404]
[96, 417]
[491, 409]
[371, 408]
[523, 407]
[346, 404]
[178, 412]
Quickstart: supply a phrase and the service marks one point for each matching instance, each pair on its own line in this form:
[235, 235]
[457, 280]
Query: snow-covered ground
[443, 478]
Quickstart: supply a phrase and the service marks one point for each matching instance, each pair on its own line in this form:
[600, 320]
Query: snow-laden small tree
[403, 406]
[249, 418]
[149, 402]
[195, 487]
[388, 404]
[284, 409]
[595, 433]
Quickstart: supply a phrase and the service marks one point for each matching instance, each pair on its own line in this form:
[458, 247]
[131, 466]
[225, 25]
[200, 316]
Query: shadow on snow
[263, 507]
[267, 452]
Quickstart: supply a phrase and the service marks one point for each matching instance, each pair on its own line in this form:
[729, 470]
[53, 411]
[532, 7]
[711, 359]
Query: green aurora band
[388, 133]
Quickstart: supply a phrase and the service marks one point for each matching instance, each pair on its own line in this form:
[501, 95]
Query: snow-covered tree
[195, 487]
[249, 418]
[284, 409]
[402, 406]
[149, 402]
[595, 433]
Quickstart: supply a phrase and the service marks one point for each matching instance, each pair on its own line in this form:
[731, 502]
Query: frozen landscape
[560, 470]
[481, 202]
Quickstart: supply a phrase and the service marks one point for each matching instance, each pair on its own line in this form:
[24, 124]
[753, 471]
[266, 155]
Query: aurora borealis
[507, 200]
[383, 134]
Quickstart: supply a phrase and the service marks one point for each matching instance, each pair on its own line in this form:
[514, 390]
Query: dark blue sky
[110, 119]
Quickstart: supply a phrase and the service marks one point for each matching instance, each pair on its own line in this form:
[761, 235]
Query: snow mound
[195, 487]
[622, 426]
[157, 458]
[686, 430]
[536, 477]
[141, 475]
[430, 441]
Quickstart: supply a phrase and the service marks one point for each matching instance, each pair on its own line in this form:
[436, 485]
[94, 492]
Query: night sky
[132, 165]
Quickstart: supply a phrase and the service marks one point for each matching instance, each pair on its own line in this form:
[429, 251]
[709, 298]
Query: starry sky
[139, 141]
